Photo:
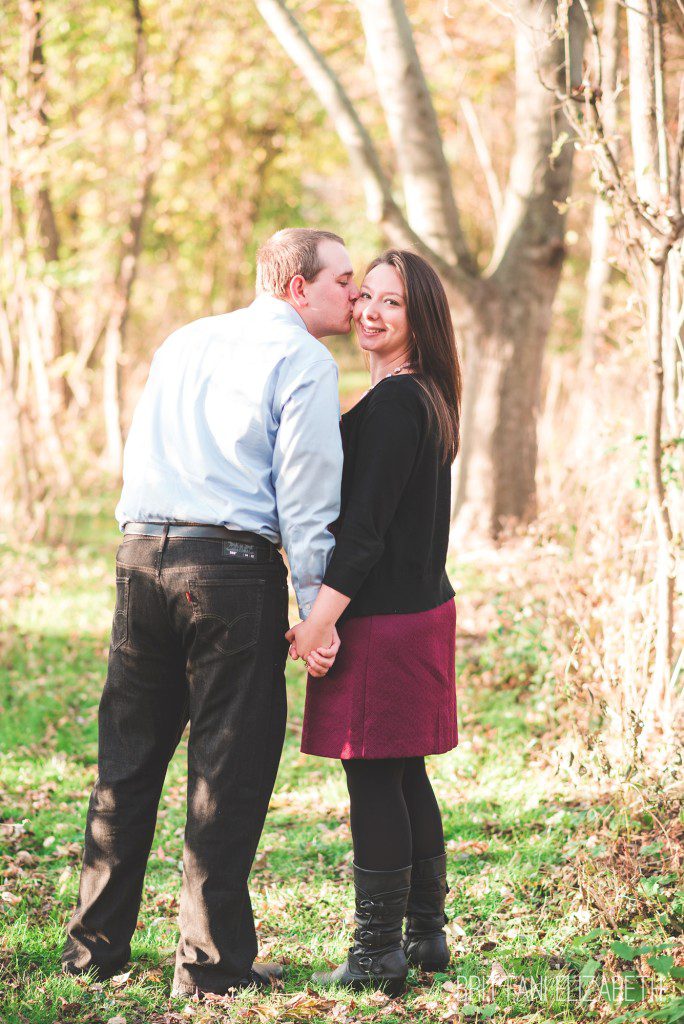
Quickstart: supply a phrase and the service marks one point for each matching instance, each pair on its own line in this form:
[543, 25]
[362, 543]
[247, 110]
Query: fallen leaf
[468, 846]
[154, 975]
[498, 974]
[119, 980]
[378, 999]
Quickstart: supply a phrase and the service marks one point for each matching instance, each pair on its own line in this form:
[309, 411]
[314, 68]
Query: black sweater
[393, 529]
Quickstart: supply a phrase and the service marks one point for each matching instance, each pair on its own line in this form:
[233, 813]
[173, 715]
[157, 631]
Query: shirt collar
[280, 308]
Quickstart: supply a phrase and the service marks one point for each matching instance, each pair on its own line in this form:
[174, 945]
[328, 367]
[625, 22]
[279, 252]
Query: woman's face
[380, 316]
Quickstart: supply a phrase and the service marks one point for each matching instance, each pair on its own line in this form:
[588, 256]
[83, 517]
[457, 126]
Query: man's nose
[353, 293]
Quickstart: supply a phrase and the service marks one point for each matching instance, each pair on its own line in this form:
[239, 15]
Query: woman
[390, 697]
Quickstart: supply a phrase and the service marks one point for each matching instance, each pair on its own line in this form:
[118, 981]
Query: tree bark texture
[598, 276]
[642, 97]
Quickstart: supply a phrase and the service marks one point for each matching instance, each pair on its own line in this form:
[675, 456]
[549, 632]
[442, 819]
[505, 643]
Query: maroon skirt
[391, 691]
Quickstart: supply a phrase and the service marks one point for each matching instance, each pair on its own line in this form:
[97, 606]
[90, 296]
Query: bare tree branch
[540, 173]
[595, 42]
[676, 175]
[483, 154]
[598, 276]
[659, 88]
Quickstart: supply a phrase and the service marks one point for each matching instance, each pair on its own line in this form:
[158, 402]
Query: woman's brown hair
[432, 343]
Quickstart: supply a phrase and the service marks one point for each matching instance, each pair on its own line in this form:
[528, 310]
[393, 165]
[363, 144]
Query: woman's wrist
[321, 618]
[327, 607]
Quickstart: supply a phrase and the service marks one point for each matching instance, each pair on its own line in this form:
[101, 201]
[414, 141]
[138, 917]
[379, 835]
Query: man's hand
[315, 642]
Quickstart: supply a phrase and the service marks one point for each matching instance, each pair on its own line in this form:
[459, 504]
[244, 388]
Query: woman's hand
[317, 638]
[321, 661]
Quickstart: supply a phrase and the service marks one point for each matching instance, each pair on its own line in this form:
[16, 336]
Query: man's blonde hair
[287, 254]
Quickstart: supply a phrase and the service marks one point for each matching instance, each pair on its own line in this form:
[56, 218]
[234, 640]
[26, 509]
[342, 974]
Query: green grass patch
[560, 908]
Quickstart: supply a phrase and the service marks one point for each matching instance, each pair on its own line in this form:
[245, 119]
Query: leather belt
[198, 531]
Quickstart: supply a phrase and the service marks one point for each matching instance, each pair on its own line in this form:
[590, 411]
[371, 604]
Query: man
[234, 447]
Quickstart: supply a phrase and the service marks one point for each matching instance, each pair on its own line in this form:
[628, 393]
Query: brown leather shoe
[263, 975]
[267, 972]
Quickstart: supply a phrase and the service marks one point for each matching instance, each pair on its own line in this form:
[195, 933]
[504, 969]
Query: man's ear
[296, 290]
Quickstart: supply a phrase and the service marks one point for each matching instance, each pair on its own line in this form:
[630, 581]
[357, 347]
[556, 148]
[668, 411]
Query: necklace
[392, 373]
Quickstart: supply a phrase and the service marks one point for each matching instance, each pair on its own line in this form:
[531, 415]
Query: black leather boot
[377, 959]
[425, 943]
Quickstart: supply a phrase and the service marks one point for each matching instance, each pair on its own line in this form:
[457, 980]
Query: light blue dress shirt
[238, 426]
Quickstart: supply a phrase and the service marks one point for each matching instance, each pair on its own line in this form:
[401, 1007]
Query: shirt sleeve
[307, 476]
[388, 443]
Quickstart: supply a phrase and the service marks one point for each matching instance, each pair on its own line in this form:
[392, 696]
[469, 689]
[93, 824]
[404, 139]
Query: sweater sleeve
[388, 443]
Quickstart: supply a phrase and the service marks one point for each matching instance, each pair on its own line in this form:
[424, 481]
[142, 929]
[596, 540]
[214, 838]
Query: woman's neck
[382, 366]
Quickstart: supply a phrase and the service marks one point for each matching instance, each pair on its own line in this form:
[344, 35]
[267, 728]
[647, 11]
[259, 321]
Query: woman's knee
[376, 775]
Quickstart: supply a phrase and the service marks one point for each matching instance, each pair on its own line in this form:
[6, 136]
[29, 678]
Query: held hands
[311, 641]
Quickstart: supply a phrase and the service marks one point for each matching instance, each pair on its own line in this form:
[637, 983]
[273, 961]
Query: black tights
[395, 818]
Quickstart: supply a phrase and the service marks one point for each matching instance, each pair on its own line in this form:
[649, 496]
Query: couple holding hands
[236, 449]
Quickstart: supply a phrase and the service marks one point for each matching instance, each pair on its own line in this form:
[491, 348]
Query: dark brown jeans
[198, 633]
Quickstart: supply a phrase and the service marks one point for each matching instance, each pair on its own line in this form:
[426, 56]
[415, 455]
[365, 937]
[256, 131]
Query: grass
[563, 905]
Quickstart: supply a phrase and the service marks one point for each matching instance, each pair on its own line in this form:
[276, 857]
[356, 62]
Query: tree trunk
[47, 234]
[651, 175]
[642, 101]
[496, 484]
[111, 389]
[30, 320]
[596, 283]
[598, 276]
[659, 696]
[495, 489]
[673, 348]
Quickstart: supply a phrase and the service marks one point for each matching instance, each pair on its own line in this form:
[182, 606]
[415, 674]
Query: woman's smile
[371, 331]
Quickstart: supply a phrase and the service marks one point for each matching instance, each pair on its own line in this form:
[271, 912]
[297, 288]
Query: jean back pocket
[227, 612]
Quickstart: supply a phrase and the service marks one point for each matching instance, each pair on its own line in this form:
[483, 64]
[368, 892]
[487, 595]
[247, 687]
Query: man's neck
[287, 302]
